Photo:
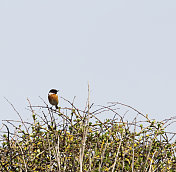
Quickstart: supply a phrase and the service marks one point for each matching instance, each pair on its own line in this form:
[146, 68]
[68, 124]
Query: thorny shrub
[70, 139]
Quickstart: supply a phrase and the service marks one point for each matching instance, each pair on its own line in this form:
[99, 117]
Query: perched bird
[53, 97]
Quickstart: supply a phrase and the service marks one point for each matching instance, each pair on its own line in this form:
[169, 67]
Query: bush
[69, 139]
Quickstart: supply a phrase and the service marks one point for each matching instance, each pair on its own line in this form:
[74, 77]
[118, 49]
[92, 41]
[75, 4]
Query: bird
[53, 97]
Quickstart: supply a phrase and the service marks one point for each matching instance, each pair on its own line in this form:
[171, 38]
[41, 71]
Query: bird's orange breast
[53, 99]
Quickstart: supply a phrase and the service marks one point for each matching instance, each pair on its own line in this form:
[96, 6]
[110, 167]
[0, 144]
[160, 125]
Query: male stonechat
[53, 97]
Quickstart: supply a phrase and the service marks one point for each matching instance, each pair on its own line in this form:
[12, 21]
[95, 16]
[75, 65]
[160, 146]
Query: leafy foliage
[70, 139]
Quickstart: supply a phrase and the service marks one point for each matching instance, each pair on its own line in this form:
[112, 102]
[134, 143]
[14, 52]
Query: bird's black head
[53, 91]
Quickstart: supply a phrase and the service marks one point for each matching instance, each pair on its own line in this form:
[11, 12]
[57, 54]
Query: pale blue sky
[125, 49]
